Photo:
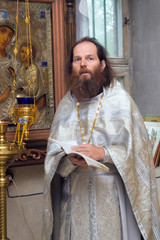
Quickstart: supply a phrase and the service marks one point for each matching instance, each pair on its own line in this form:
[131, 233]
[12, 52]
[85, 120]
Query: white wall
[29, 180]
[146, 58]
[146, 55]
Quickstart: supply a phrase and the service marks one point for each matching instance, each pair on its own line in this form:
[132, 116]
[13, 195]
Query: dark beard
[83, 87]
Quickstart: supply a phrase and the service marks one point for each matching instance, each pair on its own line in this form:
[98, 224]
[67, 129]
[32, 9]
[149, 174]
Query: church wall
[24, 214]
[146, 55]
[146, 59]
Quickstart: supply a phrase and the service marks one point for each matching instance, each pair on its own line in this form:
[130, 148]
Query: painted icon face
[25, 54]
[6, 34]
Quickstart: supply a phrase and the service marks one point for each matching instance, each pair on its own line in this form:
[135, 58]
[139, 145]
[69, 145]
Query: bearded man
[100, 120]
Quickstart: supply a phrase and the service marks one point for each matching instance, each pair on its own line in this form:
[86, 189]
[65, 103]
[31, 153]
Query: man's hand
[77, 160]
[96, 153]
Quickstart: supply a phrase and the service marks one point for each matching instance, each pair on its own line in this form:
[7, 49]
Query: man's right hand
[77, 160]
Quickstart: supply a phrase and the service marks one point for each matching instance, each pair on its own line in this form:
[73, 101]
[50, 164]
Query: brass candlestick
[24, 114]
[8, 153]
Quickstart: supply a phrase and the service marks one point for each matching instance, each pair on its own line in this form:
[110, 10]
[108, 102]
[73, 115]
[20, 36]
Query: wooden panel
[58, 49]
[70, 26]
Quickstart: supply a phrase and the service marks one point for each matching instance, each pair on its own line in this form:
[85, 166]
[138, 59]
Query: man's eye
[90, 58]
[77, 59]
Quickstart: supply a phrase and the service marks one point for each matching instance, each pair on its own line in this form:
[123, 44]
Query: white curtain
[82, 20]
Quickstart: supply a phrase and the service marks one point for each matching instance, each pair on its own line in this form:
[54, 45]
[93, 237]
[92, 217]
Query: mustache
[84, 70]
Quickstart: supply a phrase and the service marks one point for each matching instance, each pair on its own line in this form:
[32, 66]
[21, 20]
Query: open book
[90, 162]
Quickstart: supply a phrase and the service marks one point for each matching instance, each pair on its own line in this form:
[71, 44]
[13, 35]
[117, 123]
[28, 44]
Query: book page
[90, 162]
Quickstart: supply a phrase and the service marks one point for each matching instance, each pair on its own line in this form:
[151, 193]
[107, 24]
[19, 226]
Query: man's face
[6, 35]
[86, 77]
[85, 60]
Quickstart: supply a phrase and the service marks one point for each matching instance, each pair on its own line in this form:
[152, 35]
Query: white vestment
[96, 205]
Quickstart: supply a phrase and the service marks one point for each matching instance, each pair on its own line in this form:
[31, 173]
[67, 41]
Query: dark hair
[102, 55]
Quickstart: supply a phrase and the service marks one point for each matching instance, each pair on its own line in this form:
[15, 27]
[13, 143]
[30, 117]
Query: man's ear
[103, 64]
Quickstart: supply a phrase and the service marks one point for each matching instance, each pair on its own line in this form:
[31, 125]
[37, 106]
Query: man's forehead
[85, 48]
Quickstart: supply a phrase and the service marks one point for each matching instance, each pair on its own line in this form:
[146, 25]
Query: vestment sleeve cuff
[65, 167]
[107, 158]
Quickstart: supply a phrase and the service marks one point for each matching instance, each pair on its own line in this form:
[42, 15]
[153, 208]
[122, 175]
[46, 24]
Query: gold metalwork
[8, 152]
[94, 122]
[15, 51]
[25, 117]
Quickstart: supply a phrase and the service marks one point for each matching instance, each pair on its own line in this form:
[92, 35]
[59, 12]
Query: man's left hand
[96, 153]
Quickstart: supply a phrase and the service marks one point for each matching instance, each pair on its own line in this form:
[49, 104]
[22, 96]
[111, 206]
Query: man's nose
[83, 62]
